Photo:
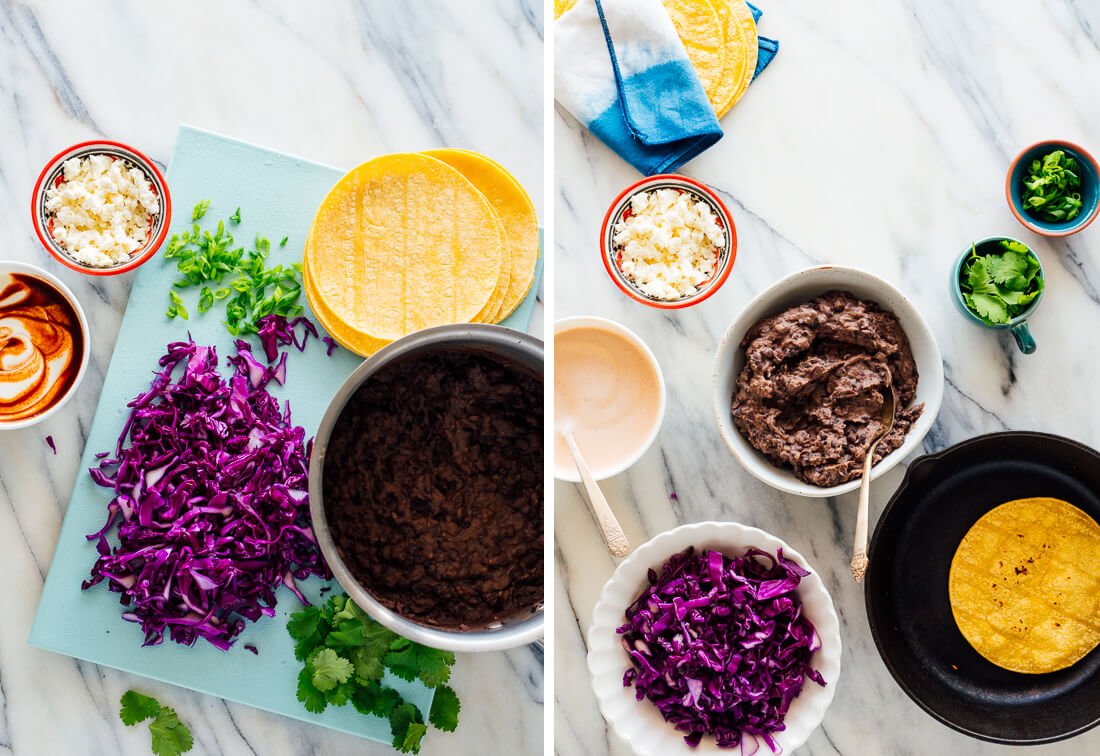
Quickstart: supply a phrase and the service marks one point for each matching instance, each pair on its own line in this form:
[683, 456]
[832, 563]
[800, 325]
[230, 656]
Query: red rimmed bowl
[620, 209]
[52, 175]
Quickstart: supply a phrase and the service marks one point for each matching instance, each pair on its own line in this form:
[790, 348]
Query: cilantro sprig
[998, 286]
[345, 655]
[170, 736]
[213, 261]
[1052, 187]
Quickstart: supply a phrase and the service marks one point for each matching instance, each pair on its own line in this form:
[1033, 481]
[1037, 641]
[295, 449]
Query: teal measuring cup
[1018, 325]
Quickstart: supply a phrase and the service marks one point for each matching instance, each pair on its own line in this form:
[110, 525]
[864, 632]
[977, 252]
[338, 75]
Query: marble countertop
[336, 85]
[879, 138]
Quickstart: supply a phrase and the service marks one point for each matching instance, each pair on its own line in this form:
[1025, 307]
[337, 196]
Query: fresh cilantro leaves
[411, 661]
[136, 707]
[445, 708]
[170, 736]
[999, 284]
[305, 628]
[345, 655]
[251, 289]
[1052, 188]
[329, 669]
[407, 727]
[312, 698]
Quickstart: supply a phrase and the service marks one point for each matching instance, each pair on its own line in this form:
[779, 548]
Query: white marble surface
[336, 83]
[879, 138]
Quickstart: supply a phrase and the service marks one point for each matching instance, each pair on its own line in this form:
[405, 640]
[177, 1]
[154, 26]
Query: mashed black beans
[433, 488]
[815, 378]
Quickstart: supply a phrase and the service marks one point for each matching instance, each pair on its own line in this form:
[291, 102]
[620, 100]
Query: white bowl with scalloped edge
[639, 723]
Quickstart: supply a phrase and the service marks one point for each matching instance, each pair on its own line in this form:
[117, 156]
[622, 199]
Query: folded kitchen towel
[622, 71]
[766, 48]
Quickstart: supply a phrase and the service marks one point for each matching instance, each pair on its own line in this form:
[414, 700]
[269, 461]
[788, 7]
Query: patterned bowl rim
[53, 168]
[726, 256]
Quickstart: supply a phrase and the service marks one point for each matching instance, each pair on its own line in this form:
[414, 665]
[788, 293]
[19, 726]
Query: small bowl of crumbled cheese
[668, 241]
[101, 208]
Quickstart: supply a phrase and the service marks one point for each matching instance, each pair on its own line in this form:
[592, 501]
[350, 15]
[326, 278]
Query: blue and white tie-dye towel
[622, 71]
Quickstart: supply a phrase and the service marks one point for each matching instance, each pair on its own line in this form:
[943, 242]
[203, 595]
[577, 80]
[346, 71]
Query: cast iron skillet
[941, 496]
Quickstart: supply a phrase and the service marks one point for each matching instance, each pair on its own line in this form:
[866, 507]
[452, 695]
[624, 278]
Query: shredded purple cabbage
[210, 497]
[275, 331]
[721, 645]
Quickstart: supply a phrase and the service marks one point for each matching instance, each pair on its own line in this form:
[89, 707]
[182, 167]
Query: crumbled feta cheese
[102, 210]
[667, 243]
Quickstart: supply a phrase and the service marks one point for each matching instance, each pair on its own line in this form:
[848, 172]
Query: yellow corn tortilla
[561, 6]
[402, 243]
[700, 30]
[742, 50]
[352, 340]
[1025, 585]
[469, 168]
[521, 225]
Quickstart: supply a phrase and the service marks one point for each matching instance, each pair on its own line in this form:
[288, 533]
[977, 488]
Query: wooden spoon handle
[613, 533]
[859, 543]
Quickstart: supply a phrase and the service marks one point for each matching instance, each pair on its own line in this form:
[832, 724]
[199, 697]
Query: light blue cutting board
[278, 196]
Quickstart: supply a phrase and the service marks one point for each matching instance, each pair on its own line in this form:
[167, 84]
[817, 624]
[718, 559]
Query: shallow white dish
[639, 723]
[795, 289]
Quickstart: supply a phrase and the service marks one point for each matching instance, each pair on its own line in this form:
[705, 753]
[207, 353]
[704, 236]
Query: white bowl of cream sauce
[609, 390]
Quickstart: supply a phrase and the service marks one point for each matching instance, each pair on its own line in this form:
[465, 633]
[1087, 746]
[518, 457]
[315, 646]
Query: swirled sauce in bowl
[42, 345]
